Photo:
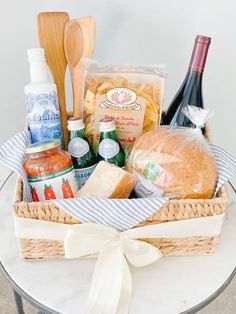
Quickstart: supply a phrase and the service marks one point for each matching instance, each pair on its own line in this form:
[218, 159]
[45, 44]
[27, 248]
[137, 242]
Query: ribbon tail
[126, 291]
[109, 279]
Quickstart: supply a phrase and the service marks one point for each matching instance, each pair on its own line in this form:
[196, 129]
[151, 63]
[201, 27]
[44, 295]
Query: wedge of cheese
[108, 181]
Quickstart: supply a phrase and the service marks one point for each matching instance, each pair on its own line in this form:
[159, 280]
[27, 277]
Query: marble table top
[172, 285]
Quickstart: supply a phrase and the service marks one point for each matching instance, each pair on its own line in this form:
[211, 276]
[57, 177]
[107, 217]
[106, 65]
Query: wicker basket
[171, 211]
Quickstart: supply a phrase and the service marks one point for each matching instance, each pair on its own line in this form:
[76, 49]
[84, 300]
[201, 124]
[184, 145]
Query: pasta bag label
[121, 98]
[127, 108]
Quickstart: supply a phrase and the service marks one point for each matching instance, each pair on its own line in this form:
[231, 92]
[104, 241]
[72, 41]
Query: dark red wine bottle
[190, 92]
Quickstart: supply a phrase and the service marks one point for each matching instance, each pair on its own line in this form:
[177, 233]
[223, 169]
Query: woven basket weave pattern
[45, 249]
[171, 211]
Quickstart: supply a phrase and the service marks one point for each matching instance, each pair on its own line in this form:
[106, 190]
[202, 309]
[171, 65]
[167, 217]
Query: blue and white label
[43, 117]
[82, 175]
[78, 147]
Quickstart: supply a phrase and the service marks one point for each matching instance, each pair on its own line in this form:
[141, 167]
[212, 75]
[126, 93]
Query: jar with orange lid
[50, 171]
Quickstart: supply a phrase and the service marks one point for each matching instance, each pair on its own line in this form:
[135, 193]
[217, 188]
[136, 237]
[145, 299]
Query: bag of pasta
[131, 95]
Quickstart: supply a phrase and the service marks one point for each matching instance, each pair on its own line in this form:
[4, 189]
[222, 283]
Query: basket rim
[221, 197]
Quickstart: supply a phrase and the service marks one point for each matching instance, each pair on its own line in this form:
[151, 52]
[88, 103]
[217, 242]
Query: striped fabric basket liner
[172, 210]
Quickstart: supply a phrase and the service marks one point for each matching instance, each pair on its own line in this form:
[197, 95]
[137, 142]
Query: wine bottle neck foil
[199, 54]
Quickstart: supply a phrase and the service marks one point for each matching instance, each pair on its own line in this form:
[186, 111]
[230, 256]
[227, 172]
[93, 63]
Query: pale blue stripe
[111, 216]
[18, 149]
[97, 214]
[128, 211]
[221, 152]
[125, 211]
[105, 211]
[135, 212]
[125, 215]
[15, 160]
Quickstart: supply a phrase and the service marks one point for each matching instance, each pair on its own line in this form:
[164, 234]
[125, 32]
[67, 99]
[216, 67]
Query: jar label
[43, 117]
[108, 148]
[144, 188]
[82, 175]
[78, 147]
[57, 185]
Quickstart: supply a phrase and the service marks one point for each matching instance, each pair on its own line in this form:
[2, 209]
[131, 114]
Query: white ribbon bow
[111, 287]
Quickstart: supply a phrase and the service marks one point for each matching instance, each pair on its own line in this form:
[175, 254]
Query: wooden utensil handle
[51, 35]
[63, 113]
[77, 87]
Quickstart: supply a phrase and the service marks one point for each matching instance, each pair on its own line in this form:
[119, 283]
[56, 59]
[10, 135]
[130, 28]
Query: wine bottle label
[82, 175]
[127, 108]
[144, 188]
[78, 147]
[108, 148]
[60, 184]
[43, 117]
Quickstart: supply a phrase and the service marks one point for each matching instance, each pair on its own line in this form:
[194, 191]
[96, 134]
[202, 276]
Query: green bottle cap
[107, 125]
[75, 124]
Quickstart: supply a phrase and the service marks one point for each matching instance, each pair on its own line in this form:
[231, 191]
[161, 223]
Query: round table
[172, 285]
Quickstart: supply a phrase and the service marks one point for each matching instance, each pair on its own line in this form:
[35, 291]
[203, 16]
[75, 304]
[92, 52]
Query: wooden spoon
[74, 48]
[51, 27]
[79, 43]
[87, 23]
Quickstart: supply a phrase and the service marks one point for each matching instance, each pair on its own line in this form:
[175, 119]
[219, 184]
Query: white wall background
[131, 31]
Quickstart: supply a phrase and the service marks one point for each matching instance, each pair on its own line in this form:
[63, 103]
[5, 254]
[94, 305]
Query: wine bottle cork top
[199, 53]
[203, 39]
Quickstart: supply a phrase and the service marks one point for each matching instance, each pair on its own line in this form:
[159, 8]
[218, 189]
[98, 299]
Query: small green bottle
[83, 157]
[109, 148]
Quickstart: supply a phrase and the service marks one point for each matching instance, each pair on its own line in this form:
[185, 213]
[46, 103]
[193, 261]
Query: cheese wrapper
[131, 95]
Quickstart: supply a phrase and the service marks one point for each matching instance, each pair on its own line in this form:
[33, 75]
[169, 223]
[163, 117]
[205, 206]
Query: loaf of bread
[108, 181]
[176, 161]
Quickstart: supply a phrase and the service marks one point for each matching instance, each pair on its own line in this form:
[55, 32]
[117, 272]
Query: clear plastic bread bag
[175, 162]
[129, 94]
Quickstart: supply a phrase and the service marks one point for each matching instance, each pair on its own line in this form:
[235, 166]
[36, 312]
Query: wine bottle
[190, 92]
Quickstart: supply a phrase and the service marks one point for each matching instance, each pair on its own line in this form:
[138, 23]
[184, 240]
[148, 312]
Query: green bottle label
[108, 148]
[78, 147]
[83, 174]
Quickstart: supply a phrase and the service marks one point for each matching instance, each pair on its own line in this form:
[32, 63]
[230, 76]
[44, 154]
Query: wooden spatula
[51, 27]
[79, 43]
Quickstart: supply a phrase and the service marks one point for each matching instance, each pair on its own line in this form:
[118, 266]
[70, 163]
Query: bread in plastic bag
[174, 162]
[131, 95]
